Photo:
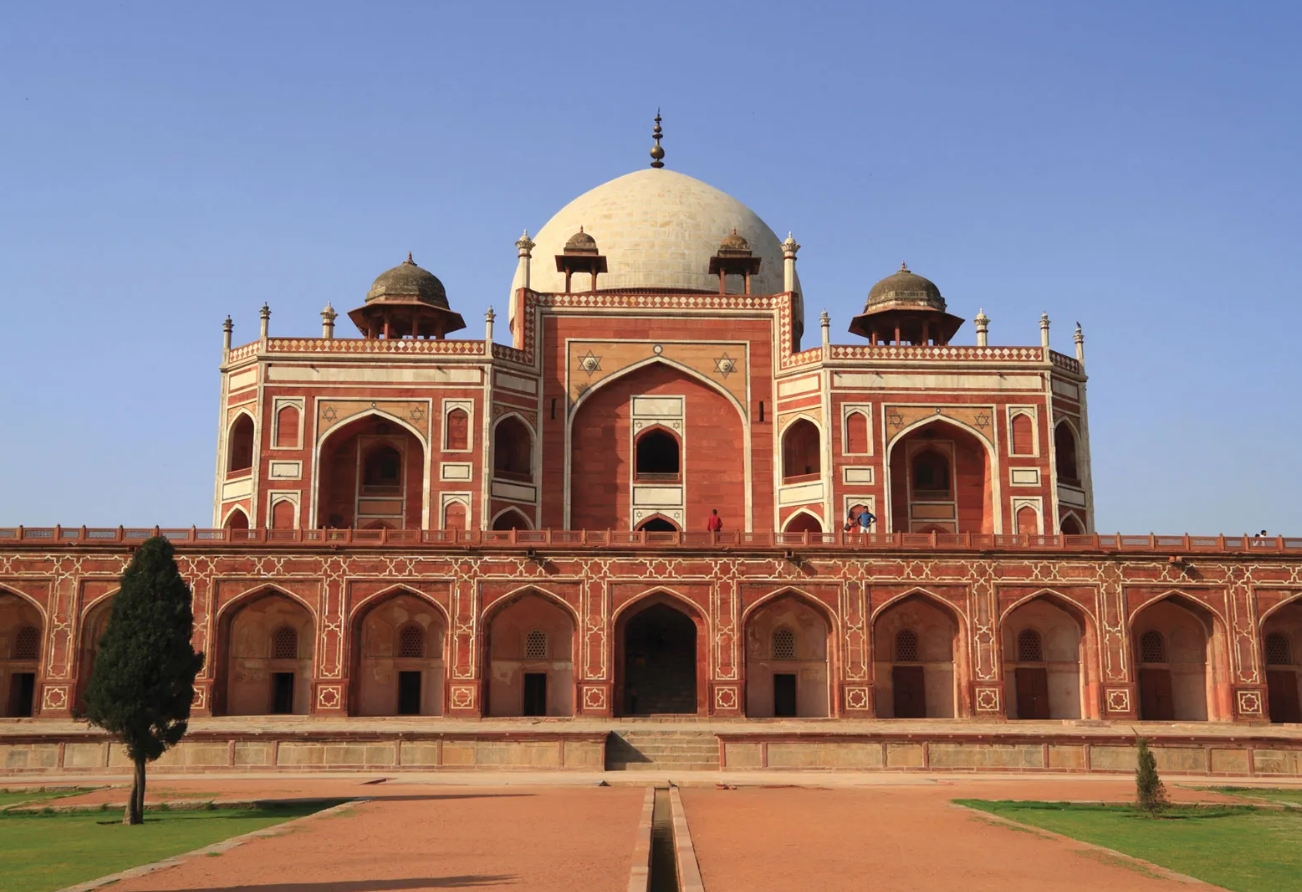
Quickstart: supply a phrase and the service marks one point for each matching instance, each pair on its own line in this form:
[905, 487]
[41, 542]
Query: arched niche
[803, 522]
[1045, 642]
[657, 456]
[513, 450]
[1066, 454]
[660, 658]
[511, 519]
[657, 523]
[237, 520]
[529, 654]
[240, 445]
[93, 625]
[370, 472]
[22, 635]
[802, 451]
[919, 659]
[1179, 651]
[397, 656]
[256, 674]
[940, 479]
[788, 670]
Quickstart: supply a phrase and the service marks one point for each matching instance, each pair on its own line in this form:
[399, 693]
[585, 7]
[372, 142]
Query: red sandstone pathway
[424, 837]
[895, 839]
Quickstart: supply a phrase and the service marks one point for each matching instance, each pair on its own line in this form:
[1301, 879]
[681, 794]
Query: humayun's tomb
[431, 551]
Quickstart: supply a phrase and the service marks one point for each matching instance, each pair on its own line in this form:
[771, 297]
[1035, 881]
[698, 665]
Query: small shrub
[1150, 792]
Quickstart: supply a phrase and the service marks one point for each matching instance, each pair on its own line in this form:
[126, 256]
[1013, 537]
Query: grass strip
[44, 852]
[1239, 847]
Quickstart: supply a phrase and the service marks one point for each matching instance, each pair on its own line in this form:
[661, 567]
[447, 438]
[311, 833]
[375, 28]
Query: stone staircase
[656, 750]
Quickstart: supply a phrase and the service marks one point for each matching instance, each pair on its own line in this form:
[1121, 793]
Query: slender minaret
[982, 328]
[789, 249]
[266, 320]
[524, 250]
[328, 317]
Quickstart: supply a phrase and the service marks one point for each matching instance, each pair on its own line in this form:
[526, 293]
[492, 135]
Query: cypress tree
[143, 682]
[1150, 792]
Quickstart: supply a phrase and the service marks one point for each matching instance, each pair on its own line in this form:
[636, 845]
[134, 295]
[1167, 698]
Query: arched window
[801, 452]
[454, 516]
[1023, 435]
[456, 436]
[535, 645]
[239, 445]
[511, 520]
[382, 471]
[1064, 449]
[287, 427]
[237, 520]
[658, 525]
[1030, 647]
[930, 472]
[784, 644]
[856, 433]
[1028, 522]
[411, 642]
[1071, 526]
[284, 643]
[512, 450]
[284, 515]
[1152, 647]
[27, 644]
[906, 646]
[657, 455]
[1278, 653]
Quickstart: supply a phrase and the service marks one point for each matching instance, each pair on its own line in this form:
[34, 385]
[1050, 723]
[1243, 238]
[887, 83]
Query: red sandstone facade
[412, 525]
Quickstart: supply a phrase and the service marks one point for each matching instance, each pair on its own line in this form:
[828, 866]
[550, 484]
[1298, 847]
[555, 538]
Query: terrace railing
[1174, 546]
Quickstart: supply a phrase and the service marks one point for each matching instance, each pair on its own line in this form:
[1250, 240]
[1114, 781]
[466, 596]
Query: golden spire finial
[657, 153]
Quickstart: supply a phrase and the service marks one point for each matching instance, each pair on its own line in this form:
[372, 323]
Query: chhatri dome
[658, 230]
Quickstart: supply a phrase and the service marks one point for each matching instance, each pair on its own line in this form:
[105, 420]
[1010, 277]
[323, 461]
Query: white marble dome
[657, 229]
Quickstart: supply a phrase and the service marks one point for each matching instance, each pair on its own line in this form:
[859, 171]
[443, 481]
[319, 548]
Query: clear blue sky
[1131, 166]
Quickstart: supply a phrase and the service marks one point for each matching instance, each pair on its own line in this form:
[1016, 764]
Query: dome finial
[657, 153]
[409, 260]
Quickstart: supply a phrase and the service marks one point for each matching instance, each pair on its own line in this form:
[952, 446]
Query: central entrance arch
[658, 660]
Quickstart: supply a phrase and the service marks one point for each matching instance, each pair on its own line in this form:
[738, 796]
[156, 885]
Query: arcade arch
[529, 651]
[93, 625]
[21, 638]
[1044, 676]
[1176, 642]
[1065, 454]
[1281, 647]
[239, 445]
[801, 451]
[513, 450]
[511, 519]
[803, 522]
[397, 656]
[660, 656]
[917, 649]
[787, 667]
[264, 664]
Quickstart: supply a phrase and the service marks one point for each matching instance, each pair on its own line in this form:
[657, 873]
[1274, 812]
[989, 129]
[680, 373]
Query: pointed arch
[502, 519]
[508, 455]
[657, 453]
[661, 643]
[1083, 613]
[235, 695]
[241, 442]
[1071, 517]
[994, 469]
[259, 591]
[382, 681]
[803, 516]
[928, 595]
[232, 522]
[7, 589]
[791, 591]
[375, 598]
[1185, 600]
[1275, 608]
[340, 424]
[1084, 703]
[799, 682]
[518, 681]
[1066, 451]
[801, 444]
[316, 514]
[935, 684]
[661, 360]
[1195, 684]
[515, 594]
[658, 518]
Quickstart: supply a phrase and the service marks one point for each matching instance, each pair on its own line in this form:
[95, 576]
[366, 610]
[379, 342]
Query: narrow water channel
[664, 864]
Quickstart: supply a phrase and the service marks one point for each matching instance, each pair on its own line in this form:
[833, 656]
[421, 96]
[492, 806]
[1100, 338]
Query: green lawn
[1239, 847]
[1292, 796]
[16, 796]
[44, 852]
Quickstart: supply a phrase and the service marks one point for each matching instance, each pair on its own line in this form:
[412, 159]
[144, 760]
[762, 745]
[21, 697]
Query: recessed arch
[657, 454]
[519, 679]
[513, 439]
[1192, 680]
[268, 682]
[1064, 683]
[1070, 524]
[661, 655]
[655, 360]
[236, 519]
[898, 514]
[241, 443]
[797, 682]
[22, 650]
[7, 589]
[523, 591]
[931, 684]
[339, 494]
[1275, 608]
[510, 519]
[1066, 451]
[340, 424]
[803, 521]
[658, 523]
[829, 616]
[802, 448]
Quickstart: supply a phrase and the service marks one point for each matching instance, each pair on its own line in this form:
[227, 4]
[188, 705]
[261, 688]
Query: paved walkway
[838, 832]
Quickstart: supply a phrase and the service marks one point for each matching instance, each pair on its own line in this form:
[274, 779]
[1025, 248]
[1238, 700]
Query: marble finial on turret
[1044, 330]
[982, 328]
[265, 315]
[1079, 337]
[789, 249]
[328, 317]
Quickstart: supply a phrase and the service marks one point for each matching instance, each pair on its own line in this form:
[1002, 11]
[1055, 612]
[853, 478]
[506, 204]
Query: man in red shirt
[715, 523]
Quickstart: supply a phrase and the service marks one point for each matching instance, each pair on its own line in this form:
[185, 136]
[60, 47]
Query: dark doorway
[658, 525]
[535, 693]
[784, 695]
[657, 456]
[659, 662]
[408, 693]
[1155, 701]
[22, 694]
[282, 693]
[1032, 693]
[910, 692]
[1281, 687]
